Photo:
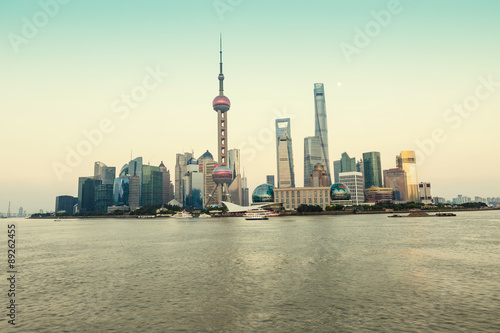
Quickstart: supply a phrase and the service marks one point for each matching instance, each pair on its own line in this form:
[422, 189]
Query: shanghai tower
[321, 128]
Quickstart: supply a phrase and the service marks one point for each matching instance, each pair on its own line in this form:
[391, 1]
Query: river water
[344, 273]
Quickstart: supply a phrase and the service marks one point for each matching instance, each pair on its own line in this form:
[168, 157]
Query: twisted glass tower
[321, 128]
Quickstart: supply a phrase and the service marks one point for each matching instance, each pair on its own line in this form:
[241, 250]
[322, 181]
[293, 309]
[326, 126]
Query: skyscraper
[65, 203]
[284, 153]
[396, 179]
[312, 156]
[354, 181]
[166, 196]
[337, 168]
[104, 173]
[180, 170]
[407, 161]
[372, 169]
[348, 164]
[152, 183]
[270, 180]
[321, 127]
[286, 175]
[86, 193]
[135, 169]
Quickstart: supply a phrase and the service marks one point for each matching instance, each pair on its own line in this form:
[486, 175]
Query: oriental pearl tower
[222, 175]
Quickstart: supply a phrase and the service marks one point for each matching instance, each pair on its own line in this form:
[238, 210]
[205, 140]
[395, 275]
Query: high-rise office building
[372, 169]
[180, 170]
[210, 197]
[245, 193]
[104, 173]
[65, 203]
[312, 157]
[319, 177]
[86, 193]
[234, 161]
[166, 196]
[103, 197]
[321, 126]
[355, 182]
[234, 189]
[396, 179]
[193, 185]
[337, 168]
[360, 166]
[286, 175]
[347, 164]
[135, 169]
[152, 186]
[407, 161]
[424, 190]
[270, 180]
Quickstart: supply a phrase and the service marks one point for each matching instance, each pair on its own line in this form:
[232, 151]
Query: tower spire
[221, 75]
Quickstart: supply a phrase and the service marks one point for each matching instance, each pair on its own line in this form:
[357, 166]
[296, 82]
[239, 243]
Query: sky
[87, 81]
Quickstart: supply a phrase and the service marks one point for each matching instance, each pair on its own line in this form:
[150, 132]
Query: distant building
[234, 188]
[180, 170]
[193, 185]
[104, 173]
[245, 194]
[210, 196]
[21, 212]
[166, 194]
[321, 127]
[270, 180]
[319, 177]
[337, 168]
[378, 194]
[86, 193]
[152, 186]
[292, 198]
[424, 190]
[355, 182]
[396, 179]
[360, 167]
[284, 153]
[103, 197]
[65, 203]
[347, 164]
[312, 156]
[407, 161]
[372, 169]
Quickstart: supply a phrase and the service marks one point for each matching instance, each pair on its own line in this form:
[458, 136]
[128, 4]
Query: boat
[146, 216]
[204, 216]
[182, 215]
[445, 214]
[57, 220]
[256, 214]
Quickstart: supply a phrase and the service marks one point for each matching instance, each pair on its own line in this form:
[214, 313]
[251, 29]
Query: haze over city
[398, 75]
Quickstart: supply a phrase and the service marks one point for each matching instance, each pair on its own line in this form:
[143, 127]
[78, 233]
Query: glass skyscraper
[321, 127]
[407, 161]
[104, 173]
[152, 186]
[372, 169]
[284, 153]
[312, 156]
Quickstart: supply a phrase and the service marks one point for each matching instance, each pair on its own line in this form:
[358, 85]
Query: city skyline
[65, 85]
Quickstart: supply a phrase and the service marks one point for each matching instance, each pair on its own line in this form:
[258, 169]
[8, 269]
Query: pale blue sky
[395, 92]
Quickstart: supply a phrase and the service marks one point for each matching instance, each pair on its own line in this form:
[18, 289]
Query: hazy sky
[397, 74]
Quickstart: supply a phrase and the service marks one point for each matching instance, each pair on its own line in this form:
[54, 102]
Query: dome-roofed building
[339, 191]
[263, 193]
[206, 155]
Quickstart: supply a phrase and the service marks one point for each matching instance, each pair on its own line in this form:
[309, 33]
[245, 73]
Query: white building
[424, 190]
[355, 182]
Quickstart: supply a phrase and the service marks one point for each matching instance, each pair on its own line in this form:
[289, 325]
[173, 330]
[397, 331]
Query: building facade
[286, 174]
[372, 167]
[65, 203]
[378, 194]
[152, 186]
[407, 161]
[321, 126]
[104, 173]
[355, 182]
[166, 195]
[312, 156]
[319, 177]
[424, 190]
[292, 198]
[396, 179]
